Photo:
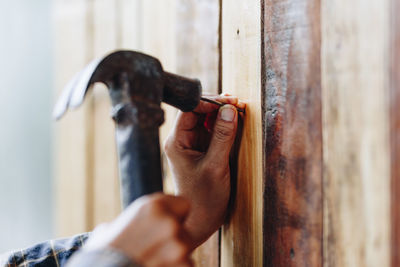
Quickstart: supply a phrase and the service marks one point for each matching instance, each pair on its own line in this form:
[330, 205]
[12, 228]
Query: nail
[227, 113]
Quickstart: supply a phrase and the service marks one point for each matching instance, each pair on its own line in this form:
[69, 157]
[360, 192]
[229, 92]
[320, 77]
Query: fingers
[223, 136]
[176, 205]
[154, 234]
[173, 247]
[186, 121]
[205, 107]
[158, 204]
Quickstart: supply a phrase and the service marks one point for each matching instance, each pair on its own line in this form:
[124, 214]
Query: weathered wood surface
[178, 39]
[271, 59]
[355, 79]
[395, 131]
[197, 37]
[106, 203]
[197, 56]
[292, 133]
[241, 242]
[71, 38]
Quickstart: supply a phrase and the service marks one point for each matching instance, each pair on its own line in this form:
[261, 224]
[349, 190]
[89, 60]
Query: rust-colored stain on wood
[292, 133]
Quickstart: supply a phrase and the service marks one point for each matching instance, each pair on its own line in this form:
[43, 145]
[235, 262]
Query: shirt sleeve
[53, 253]
[104, 257]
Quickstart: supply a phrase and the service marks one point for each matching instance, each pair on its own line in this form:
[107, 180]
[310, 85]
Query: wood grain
[158, 32]
[241, 243]
[72, 133]
[355, 80]
[183, 35]
[197, 56]
[130, 23]
[292, 133]
[395, 132]
[105, 193]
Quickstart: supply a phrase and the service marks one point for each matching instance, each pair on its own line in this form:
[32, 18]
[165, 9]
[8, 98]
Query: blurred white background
[26, 97]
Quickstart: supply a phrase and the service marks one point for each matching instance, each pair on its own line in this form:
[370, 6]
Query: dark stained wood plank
[292, 133]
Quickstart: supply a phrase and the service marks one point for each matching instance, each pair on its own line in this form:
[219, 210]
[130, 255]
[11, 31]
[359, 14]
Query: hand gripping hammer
[137, 85]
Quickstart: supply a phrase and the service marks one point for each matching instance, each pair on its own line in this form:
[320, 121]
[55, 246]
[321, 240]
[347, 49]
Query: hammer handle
[139, 161]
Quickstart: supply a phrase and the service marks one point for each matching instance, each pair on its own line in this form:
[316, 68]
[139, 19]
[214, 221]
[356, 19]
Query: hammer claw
[76, 89]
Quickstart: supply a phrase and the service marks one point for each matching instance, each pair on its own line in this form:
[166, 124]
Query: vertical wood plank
[355, 79]
[158, 32]
[197, 56]
[72, 132]
[395, 132]
[106, 196]
[130, 22]
[292, 133]
[197, 37]
[241, 75]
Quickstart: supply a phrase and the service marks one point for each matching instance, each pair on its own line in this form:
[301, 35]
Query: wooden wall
[394, 59]
[87, 185]
[355, 69]
[241, 69]
[292, 133]
[317, 180]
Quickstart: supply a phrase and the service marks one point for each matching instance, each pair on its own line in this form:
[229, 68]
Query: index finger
[186, 121]
[206, 107]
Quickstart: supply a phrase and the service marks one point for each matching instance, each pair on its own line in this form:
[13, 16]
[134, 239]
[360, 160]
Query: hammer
[137, 85]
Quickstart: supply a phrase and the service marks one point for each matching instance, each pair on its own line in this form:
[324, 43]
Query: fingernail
[227, 113]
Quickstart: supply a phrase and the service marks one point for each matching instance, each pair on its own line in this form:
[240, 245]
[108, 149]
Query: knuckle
[172, 227]
[223, 132]
[180, 252]
[154, 207]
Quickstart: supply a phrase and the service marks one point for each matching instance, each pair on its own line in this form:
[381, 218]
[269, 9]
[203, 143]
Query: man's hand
[150, 232]
[198, 153]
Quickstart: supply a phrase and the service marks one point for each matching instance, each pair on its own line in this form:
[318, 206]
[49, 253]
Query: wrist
[202, 222]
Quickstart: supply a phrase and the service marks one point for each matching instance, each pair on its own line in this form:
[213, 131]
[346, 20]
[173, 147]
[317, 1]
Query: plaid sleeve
[47, 254]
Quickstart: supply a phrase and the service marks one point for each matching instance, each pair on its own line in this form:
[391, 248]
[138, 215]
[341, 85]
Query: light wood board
[106, 192]
[242, 236]
[72, 132]
[355, 69]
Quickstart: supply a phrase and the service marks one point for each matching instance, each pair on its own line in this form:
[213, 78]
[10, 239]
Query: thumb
[223, 135]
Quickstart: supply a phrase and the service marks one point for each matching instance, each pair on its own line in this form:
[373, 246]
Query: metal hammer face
[137, 85]
[142, 74]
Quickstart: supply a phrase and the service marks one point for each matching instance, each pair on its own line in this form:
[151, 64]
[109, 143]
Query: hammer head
[131, 77]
